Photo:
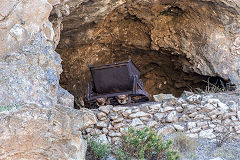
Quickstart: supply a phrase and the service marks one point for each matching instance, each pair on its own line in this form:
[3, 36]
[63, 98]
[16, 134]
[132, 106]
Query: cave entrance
[157, 37]
[162, 72]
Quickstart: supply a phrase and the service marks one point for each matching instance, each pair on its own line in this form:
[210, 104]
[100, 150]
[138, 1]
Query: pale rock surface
[207, 134]
[106, 109]
[32, 75]
[32, 132]
[139, 114]
[159, 116]
[178, 127]
[166, 130]
[172, 116]
[101, 124]
[136, 122]
[101, 115]
[161, 97]
[103, 139]
[152, 124]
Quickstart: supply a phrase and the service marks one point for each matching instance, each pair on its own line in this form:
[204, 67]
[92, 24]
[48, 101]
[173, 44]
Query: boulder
[33, 132]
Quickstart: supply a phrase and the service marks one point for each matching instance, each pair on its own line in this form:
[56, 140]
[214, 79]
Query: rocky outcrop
[162, 37]
[32, 132]
[30, 68]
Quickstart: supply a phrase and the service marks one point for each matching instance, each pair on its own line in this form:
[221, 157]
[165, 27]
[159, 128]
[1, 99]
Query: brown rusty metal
[115, 79]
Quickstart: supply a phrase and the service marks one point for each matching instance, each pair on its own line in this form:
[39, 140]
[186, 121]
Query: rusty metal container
[115, 79]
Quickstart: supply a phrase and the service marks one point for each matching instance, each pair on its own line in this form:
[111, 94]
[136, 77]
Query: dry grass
[183, 143]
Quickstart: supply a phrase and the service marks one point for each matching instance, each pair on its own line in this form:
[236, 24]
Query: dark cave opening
[167, 43]
[161, 72]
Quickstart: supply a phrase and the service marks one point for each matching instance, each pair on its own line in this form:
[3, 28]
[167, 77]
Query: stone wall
[199, 116]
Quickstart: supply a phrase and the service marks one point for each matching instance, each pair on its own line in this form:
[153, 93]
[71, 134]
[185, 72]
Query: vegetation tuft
[145, 144]
[97, 149]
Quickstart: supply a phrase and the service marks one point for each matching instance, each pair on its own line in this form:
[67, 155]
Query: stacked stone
[198, 116]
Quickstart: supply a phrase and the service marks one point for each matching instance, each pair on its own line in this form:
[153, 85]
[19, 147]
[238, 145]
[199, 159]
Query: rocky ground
[206, 119]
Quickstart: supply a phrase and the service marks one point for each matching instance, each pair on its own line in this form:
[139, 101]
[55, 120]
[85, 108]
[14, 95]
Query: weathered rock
[178, 127]
[172, 116]
[192, 135]
[228, 115]
[160, 97]
[43, 133]
[179, 109]
[101, 115]
[166, 109]
[223, 106]
[101, 124]
[32, 75]
[152, 124]
[159, 116]
[139, 114]
[103, 139]
[191, 125]
[127, 113]
[207, 134]
[145, 118]
[120, 119]
[218, 158]
[208, 107]
[119, 109]
[136, 122]
[118, 125]
[194, 99]
[195, 130]
[65, 98]
[155, 106]
[114, 134]
[166, 130]
[106, 109]
[192, 115]
[184, 118]
[190, 109]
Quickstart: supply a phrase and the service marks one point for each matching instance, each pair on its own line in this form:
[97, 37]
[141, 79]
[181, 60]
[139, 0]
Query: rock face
[32, 132]
[168, 40]
[29, 67]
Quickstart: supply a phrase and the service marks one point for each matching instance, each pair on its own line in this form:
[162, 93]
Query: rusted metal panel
[115, 79]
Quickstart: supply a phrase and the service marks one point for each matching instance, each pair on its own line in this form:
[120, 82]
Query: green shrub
[145, 144]
[97, 149]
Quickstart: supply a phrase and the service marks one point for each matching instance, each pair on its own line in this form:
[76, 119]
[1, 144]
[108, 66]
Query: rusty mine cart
[116, 83]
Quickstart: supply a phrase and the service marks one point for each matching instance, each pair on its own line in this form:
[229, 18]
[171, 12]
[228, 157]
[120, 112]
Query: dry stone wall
[199, 116]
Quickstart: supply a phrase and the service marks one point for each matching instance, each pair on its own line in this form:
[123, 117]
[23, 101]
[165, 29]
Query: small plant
[145, 144]
[223, 136]
[97, 149]
[183, 143]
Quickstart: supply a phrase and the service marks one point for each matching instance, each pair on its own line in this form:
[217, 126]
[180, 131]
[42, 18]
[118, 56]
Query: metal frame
[133, 73]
